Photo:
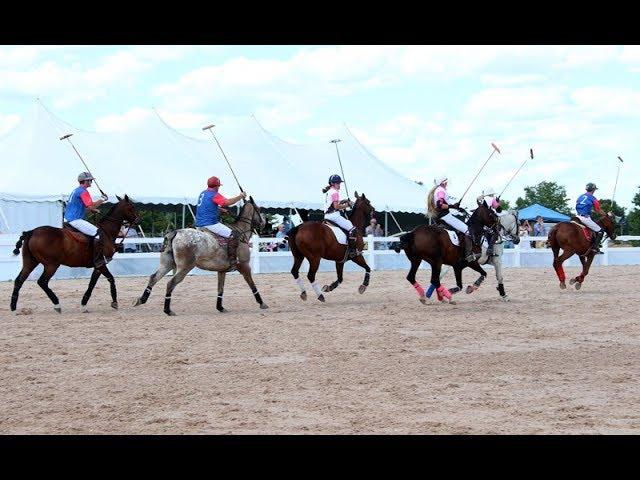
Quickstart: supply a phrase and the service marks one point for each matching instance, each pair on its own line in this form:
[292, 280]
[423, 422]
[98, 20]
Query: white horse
[187, 248]
[507, 230]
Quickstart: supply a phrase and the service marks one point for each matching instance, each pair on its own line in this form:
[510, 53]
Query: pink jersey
[333, 195]
[441, 194]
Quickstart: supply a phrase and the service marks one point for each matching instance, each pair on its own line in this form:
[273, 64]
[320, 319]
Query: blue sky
[424, 110]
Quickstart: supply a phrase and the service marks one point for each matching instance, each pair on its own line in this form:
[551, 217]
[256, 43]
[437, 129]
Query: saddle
[223, 241]
[75, 234]
[333, 224]
[588, 233]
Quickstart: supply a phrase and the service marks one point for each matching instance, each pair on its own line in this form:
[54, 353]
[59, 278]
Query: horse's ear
[356, 194]
[126, 197]
[363, 196]
[118, 197]
[251, 199]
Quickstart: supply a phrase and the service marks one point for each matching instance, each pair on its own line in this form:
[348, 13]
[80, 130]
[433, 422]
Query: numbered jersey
[207, 212]
[585, 204]
[79, 200]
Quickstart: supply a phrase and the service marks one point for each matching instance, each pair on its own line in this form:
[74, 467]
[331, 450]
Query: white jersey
[333, 195]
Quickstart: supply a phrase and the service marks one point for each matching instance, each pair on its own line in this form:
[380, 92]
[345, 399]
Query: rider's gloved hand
[104, 197]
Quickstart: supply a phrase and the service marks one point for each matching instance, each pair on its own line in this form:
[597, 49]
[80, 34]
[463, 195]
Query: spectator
[282, 245]
[288, 224]
[525, 230]
[128, 231]
[374, 229]
[539, 230]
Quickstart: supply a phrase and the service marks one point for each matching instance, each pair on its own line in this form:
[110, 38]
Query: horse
[432, 244]
[316, 240]
[573, 237]
[53, 247]
[507, 229]
[187, 248]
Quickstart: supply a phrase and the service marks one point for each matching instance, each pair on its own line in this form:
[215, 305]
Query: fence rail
[145, 263]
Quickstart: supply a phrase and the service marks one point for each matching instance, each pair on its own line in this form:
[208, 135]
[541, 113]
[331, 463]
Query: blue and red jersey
[585, 203]
[79, 200]
[207, 212]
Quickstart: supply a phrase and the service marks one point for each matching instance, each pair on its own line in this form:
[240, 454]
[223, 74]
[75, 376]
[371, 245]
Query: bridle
[248, 220]
[108, 217]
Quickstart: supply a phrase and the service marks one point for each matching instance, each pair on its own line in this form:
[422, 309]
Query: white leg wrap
[316, 288]
[300, 283]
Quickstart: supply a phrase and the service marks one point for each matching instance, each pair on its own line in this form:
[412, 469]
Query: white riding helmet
[440, 180]
[489, 192]
[85, 176]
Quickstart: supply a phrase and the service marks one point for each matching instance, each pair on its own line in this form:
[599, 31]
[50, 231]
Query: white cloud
[129, 120]
[7, 122]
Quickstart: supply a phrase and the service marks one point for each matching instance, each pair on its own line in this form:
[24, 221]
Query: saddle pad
[453, 236]
[76, 235]
[586, 230]
[341, 237]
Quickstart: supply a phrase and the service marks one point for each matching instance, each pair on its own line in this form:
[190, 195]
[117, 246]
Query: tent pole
[183, 214]
[5, 219]
[386, 224]
[394, 219]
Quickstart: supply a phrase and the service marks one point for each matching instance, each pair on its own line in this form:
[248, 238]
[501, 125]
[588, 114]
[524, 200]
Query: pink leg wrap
[443, 292]
[560, 272]
[419, 289]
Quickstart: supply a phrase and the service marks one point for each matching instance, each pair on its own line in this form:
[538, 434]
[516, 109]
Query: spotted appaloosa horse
[53, 247]
[187, 248]
[432, 244]
[315, 240]
[572, 238]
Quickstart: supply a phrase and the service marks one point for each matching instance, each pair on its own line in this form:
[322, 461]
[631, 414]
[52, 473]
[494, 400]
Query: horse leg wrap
[256, 294]
[300, 283]
[219, 301]
[560, 272]
[367, 276]
[167, 303]
[442, 291]
[455, 289]
[316, 288]
[145, 294]
[479, 281]
[419, 289]
[500, 289]
[430, 290]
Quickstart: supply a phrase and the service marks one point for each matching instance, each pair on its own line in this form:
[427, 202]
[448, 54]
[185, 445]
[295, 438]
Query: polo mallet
[344, 179]
[616, 184]
[514, 175]
[210, 128]
[66, 137]
[495, 149]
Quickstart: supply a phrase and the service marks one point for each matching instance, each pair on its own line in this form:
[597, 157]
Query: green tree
[633, 219]
[505, 204]
[548, 194]
[605, 204]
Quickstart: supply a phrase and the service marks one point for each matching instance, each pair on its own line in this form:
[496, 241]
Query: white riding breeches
[84, 226]
[589, 223]
[338, 219]
[219, 229]
[455, 223]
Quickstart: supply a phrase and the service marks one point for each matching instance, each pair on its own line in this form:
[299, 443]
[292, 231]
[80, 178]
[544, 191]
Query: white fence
[144, 264]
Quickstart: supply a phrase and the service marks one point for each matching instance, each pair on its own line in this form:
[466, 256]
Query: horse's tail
[168, 240]
[405, 243]
[23, 238]
[290, 237]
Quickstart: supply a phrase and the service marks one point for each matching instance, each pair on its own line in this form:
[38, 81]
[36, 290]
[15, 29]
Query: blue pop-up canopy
[533, 211]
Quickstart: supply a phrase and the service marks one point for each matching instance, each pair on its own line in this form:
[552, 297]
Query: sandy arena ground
[550, 361]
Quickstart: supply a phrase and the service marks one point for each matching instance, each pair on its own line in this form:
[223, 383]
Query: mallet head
[208, 127]
[335, 140]
[531, 153]
[496, 148]
[66, 136]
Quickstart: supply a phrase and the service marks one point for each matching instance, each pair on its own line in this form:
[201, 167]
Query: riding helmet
[335, 179]
[213, 182]
[85, 176]
[591, 187]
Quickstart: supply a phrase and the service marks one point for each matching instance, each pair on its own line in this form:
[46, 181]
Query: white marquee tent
[155, 163]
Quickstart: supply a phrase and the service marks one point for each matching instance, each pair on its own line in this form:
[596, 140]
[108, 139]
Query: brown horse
[315, 240]
[432, 244]
[53, 247]
[572, 238]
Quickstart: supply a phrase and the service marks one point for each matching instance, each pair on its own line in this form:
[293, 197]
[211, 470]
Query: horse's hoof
[563, 285]
[452, 302]
[137, 302]
[454, 290]
[171, 313]
[326, 288]
[221, 309]
[58, 309]
[263, 306]
[303, 296]
[362, 288]
[471, 289]
[114, 305]
[321, 298]
[578, 285]
[423, 300]
[572, 281]
[505, 298]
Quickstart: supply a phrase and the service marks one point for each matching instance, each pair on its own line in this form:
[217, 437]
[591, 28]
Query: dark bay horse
[315, 240]
[572, 239]
[432, 244]
[53, 247]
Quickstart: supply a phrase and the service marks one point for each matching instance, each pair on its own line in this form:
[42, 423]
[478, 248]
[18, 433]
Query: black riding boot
[469, 255]
[597, 240]
[232, 248]
[353, 244]
[98, 251]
